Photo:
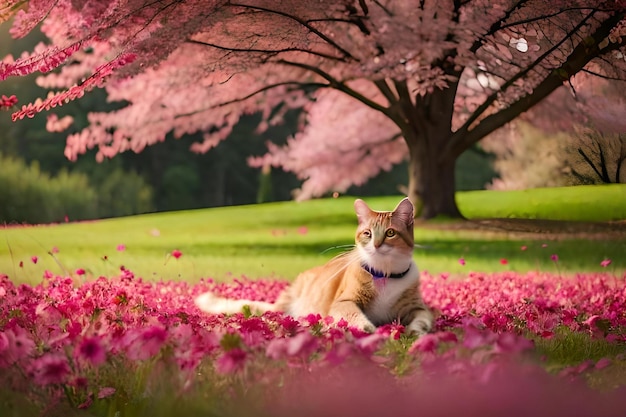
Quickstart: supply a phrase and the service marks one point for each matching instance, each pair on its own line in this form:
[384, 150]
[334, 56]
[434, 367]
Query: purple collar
[379, 274]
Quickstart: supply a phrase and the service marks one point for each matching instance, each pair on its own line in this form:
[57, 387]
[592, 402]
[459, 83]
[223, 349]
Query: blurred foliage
[29, 195]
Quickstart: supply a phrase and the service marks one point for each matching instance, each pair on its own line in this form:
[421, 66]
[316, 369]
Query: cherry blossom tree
[380, 81]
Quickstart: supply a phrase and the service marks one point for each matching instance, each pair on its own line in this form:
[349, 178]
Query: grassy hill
[281, 239]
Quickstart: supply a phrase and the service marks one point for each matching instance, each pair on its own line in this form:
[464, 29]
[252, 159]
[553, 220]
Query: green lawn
[281, 239]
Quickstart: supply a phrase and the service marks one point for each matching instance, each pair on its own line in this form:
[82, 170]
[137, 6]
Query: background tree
[379, 80]
[598, 158]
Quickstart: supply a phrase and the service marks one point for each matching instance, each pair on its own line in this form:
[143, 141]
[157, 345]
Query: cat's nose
[378, 242]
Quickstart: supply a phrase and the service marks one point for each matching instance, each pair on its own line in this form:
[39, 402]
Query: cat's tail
[210, 303]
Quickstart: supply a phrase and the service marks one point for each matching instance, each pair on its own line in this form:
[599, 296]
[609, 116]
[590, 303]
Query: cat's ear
[362, 210]
[404, 212]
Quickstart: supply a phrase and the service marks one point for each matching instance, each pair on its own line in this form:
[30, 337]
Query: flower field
[122, 346]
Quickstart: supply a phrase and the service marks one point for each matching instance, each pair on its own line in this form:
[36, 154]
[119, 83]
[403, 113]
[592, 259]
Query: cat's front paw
[362, 323]
[419, 327]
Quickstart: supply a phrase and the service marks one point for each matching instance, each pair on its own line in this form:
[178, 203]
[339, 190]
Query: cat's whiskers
[339, 247]
[353, 257]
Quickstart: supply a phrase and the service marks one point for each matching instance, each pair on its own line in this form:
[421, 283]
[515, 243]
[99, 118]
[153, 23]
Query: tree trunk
[432, 184]
[426, 128]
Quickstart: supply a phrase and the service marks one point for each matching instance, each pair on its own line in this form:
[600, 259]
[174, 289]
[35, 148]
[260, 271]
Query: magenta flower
[18, 345]
[426, 343]
[50, 369]
[54, 250]
[606, 262]
[504, 261]
[145, 343]
[92, 350]
[176, 253]
[105, 392]
[121, 248]
[303, 230]
[462, 261]
[524, 247]
[80, 271]
[34, 259]
[231, 361]
[554, 257]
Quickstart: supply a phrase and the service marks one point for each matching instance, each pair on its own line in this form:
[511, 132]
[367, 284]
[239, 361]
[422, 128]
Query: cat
[374, 284]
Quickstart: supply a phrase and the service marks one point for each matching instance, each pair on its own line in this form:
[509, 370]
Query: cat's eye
[390, 233]
[366, 233]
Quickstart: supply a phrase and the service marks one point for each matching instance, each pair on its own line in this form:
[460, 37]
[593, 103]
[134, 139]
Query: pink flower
[176, 253]
[462, 261]
[50, 369]
[80, 271]
[504, 261]
[303, 230]
[602, 363]
[21, 264]
[34, 259]
[106, 392]
[524, 247]
[145, 343]
[554, 257]
[92, 350]
[606, 262]
[426, 343]
[231, 361]
[54, 250]
[544, 245]
[17, 344]
[121, 248]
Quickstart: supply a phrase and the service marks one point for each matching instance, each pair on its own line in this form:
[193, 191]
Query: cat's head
[384, 239]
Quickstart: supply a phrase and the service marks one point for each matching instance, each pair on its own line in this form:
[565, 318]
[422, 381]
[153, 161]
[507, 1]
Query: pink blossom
[462, 261]
[231, 361]
[80, 271]
[524, 247]
[504, 261]
[121, 248]
[303, 230]
[54, 249]
[106, 392]
[606, 262]
[554, 257]
[603, 363]
[176, 253]
[426, 343]
[18, 344]
[50, 369]
[92, 350]
[142, 344]
[34, 259]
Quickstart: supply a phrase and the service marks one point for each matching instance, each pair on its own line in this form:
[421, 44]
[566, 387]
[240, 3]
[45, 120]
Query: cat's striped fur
[374, 284]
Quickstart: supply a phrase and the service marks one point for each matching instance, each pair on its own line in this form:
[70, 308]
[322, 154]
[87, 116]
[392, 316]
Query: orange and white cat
[374, 284]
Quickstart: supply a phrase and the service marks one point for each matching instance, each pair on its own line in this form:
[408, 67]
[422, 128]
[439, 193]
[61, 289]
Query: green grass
[581, 203]
[281, 239]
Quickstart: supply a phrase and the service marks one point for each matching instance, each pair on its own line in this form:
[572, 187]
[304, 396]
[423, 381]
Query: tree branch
[338, 85]
[590, 163]
[267, 51]
[254, 93]
[511, 81]
[301, 22]
[585, 51]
